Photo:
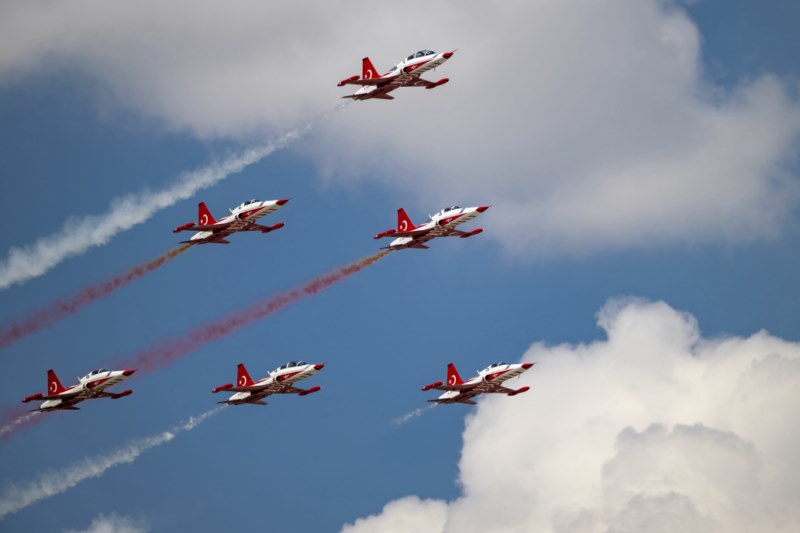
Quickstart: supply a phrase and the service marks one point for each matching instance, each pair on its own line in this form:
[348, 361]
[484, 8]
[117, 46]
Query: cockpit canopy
[421, 53]
[448, 209]
[493, 365]
[248, 202]
[291, 364]
[95, 372]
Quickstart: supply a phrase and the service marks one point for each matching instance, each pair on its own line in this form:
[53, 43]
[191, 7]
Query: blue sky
[80, 126]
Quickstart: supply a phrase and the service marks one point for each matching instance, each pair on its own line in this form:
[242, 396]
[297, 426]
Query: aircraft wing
[369, 81]
[500, 389]
[212, 227]
[462, 400]
[67, 396]
[461, 387]
[419, 82]
[292, 390]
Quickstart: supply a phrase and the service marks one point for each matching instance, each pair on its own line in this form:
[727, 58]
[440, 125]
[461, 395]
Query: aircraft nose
[127, 373]
[319, 366]
[447, 55]
[526, 366]
[281, 202]
[482, 208]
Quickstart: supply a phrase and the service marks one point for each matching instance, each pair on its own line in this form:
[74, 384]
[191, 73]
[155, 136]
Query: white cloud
[403, 516]
[588, 125]
[654, 428]
[112, 523]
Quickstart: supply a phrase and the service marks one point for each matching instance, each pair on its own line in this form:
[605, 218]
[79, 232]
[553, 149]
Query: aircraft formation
[243, 218]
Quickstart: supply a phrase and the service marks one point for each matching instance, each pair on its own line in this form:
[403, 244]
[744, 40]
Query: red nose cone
[447, 55]
[483, 208]
[128, 372]
[281, 202]
[526, 366]
[319, 366]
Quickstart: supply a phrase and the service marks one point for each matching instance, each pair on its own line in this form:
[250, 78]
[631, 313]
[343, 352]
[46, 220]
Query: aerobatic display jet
[404, 74]
[243, 218]
[89, 387]
[442, 224]
[280, 381]
[489, 379]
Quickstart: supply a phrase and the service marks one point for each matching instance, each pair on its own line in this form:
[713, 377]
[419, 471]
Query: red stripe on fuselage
[448, 220]
[245, 214]
[495, 375]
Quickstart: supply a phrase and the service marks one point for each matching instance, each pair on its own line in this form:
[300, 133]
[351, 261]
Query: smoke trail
[400, 420]
[18, 497]
[20, 418]
[45, 318]
[78, 235]
[170, 350]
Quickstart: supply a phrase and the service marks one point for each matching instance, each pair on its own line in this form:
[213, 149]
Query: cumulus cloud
[402, 516]
[654, 428]
[112, 523]
[588, 125]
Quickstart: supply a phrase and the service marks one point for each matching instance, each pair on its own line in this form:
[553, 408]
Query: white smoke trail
[20, 420]
[77, 235]
[400, 420]
[18, 497]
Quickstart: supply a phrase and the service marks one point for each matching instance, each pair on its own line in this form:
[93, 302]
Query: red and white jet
[279, 381]
[243, 218]
[489, 379]
[442, 224]
[404, 74]
[89, 387]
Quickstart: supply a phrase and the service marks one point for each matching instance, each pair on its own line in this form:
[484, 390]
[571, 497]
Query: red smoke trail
[45, 318]
[16, 418]
[165, 352]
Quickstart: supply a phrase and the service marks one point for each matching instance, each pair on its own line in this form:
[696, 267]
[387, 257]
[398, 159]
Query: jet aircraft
[242, 218]
[280, 381]
[442, 224]
[89, 387]
[405, 74]
[489, 379]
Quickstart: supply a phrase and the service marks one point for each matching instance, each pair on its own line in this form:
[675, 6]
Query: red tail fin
[204, 217]
[53, 385]
[403, 222]
[243, 379]
[368, 70]
[452, 375]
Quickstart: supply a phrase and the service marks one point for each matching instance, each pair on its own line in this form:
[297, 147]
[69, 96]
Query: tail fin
[403, 222]
[243, 379]
[368, 70]
[204, 217]
[452, 375]
[54, 386]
